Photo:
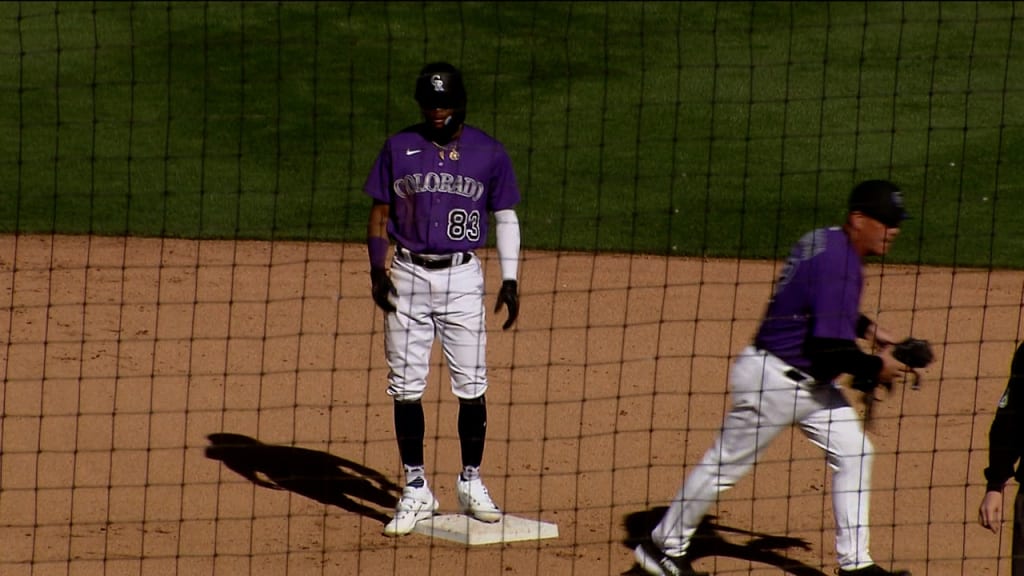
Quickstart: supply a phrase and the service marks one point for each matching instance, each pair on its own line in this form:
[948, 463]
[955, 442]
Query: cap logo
[897, 198]
[437, 82]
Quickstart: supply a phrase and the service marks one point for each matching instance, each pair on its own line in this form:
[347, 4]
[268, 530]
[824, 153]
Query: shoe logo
[670, 568]
[412, 151]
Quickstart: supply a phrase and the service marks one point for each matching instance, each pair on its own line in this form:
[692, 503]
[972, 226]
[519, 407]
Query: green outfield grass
[684, 128]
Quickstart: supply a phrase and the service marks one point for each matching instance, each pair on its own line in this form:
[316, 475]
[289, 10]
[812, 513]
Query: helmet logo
[438, 84]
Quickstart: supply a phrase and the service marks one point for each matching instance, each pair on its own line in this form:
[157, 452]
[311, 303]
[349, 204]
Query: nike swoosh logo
[412, 152]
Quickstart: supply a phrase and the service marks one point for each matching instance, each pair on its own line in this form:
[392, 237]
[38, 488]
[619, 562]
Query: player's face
[438, 118]
[875, 237]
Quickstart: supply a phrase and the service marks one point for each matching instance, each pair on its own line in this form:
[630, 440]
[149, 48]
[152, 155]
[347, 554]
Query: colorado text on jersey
[438, 182]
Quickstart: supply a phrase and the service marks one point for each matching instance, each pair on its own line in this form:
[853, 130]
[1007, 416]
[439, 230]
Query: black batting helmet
[439, 85]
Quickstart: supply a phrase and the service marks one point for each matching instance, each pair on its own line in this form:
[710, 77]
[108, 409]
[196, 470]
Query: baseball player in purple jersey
[787, 376]
[434, 186]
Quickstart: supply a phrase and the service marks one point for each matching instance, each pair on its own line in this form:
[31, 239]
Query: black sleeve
[863, 323]
[831, 357]
[1007, 431]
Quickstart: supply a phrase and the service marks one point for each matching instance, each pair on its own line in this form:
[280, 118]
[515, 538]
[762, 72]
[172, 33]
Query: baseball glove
[508, 296]
[916, 353]
[382, 289]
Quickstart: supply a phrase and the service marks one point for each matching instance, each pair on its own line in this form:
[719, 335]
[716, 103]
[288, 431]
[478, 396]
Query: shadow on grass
[318, 475]
[708, 542]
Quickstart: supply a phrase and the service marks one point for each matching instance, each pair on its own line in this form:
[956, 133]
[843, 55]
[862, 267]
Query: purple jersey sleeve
[440, 197]
[817, 295]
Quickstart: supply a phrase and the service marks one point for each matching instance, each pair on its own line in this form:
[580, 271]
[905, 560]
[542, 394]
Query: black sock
[409, 430]
[472, 430]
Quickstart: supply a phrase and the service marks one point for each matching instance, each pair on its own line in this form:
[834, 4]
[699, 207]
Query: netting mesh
[193, 369]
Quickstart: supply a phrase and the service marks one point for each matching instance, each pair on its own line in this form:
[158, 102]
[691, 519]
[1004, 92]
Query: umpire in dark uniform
[1005, 450]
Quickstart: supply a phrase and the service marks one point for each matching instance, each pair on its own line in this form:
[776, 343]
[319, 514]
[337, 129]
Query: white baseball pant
[448, 303]
[764, 402]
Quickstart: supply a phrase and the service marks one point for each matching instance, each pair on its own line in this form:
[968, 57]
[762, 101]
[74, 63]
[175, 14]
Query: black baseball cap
[881, 200]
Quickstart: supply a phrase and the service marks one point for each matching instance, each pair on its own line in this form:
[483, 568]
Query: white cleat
[417, 503]
[476, 501]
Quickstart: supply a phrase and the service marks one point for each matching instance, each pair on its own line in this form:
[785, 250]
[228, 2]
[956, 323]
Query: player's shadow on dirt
[708, 541]
[318, 475]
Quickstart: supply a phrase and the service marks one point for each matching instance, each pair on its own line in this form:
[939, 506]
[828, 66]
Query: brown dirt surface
[121, 357]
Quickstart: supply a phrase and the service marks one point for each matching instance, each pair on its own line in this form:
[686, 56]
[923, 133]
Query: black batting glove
[382, 289]
[508, 296]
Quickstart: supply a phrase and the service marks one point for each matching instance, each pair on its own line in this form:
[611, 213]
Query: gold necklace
[453, 152]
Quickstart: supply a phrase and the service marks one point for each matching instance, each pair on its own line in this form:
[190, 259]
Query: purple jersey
[440, 197]
[817, 295]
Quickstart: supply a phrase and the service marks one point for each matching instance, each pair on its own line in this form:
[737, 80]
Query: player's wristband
[378, 250]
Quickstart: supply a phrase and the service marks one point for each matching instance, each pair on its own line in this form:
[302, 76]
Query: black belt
[796, 375]
[791, 373]
[439, 263]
